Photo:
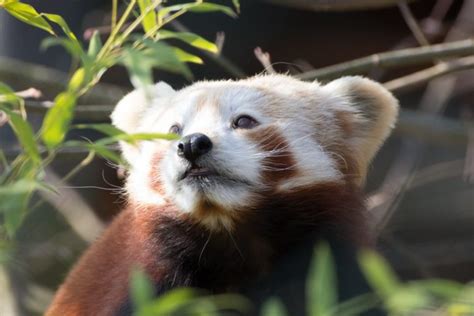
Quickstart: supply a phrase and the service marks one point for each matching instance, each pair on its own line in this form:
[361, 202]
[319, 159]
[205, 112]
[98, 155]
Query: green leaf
[24, 133]
[189, 38]
[74, 48]
[159, 55]
[321, 286]
[134, 138]
[186, 57]
[273, 307]
[170, 302]
[27, 14]
[203, 7]
[379, 274]
[95, 45]
[236, 4]
[14, 199]
[103, 151]
[445, 289]
[150, 19]
[57, 120]
[107, 129]
[141, 288]
[356, 306]
[8, 96]
[206, 7]
[60, 21]
[77, 80]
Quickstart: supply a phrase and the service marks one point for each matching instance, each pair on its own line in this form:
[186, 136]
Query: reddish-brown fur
[175, 249]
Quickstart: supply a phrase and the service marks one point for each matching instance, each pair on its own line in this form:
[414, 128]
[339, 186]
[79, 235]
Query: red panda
[262, 165]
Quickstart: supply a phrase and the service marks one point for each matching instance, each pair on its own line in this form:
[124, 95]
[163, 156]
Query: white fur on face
[302, 118]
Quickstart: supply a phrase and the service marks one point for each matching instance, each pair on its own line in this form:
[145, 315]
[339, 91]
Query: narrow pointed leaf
[321, 287]
[150, 19]
[190, 38]
[60, 21]
[58, 119]
[95, 45]
[26, 13]
[24, 133]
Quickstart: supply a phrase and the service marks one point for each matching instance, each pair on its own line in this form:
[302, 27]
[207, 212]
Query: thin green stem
[137, 22]
[114, 14]
[107, 46]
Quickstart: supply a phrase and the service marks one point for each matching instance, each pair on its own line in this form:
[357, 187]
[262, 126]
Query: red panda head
[244, 141]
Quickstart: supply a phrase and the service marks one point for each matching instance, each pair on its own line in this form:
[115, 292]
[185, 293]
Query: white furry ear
[130, 111]
[369, 114]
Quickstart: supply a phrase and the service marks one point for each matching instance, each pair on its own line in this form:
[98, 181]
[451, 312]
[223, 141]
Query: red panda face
[244, 140]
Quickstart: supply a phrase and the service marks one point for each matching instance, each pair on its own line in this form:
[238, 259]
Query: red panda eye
[245, 122]
[175, 129]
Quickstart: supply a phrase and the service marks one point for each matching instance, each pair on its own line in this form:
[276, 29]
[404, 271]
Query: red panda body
[195, 219]
[178, 252]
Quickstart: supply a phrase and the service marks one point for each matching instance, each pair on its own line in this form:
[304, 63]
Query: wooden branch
[400, 58]
[412, 23]
[418, 78]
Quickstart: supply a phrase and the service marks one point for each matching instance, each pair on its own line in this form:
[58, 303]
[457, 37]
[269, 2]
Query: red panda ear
[371, 112]
[130, 111]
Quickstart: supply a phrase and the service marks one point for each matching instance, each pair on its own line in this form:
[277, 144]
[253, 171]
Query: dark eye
[245, 122]
[175, 129]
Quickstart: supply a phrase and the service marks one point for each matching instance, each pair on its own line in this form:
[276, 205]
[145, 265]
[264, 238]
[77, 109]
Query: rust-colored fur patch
[280, 164]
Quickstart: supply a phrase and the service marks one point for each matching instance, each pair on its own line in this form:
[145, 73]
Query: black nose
[194, 146]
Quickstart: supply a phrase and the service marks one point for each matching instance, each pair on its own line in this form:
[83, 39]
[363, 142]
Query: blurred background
[420, 189]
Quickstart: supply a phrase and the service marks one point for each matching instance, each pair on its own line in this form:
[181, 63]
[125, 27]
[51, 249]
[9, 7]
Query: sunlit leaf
[107, 129]
[150, 19]
[57, 120]
[236, 4]
[26, 13]
[190, 38]
[24, 133]
[60, 21]
[95, 45]
[321, 286]
[187, 57]
[378, 273]
[273, 307]
[170, 301]
[206, 7]
[202, 7]
[71, 47]
[105, 152]
[8, 96]
[77, 80]
[141, 288]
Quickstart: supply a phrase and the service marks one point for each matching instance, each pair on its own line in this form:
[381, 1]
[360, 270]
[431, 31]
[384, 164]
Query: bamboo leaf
[60, 21]
[206, 7]
[150, 19]
[141, 288]
[379, 274]
[273, 307]
[321, 285]
[24, 133]
[107, 129]
[27, 14]
[95, 45]
[57, 120]
[189, 38]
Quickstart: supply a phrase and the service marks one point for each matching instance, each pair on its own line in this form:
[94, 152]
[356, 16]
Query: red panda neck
[182, 252]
